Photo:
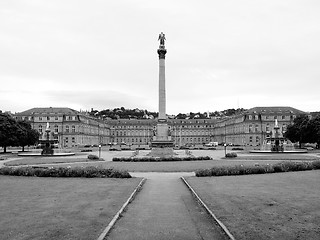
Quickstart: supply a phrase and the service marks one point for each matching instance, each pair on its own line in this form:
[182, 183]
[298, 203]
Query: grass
[59, 208]
[268, 206]
[49, 160]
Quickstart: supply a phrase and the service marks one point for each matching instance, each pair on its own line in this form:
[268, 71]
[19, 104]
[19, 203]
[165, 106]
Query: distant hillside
[123, 113]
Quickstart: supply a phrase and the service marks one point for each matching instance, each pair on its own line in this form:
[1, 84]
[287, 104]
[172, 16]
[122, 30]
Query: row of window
[56, 129]
[267, 117]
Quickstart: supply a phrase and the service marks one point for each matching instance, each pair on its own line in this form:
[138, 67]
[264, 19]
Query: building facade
[253, 126]
[72, 128]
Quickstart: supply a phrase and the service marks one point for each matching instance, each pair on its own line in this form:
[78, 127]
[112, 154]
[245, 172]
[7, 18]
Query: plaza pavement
[165, 209]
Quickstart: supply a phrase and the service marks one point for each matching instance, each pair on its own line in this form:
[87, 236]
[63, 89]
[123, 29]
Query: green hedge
[93, 157]
[164, 159]
[231, 155]
[258, 169]
[88, 172]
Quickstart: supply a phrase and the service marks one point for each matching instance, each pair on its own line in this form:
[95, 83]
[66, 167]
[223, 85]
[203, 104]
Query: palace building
[73, 128]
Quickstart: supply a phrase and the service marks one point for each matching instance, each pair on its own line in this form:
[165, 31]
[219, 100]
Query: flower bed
[259, 169]
[88, 172]
[159, 159]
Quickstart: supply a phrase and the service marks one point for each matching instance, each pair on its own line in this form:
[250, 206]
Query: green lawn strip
[60, 208]
[268, 206]
[47, 160]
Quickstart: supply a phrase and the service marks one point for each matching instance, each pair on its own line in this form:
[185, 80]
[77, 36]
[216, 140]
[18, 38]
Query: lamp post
[225, 149]
[99, 151]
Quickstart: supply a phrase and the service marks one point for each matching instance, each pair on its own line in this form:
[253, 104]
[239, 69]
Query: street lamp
[99, 151]
[225, 149]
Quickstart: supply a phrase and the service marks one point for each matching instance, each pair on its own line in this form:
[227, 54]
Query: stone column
[162, 84]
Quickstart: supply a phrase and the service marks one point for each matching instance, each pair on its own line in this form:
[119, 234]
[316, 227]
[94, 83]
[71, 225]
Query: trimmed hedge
[88, 172]
[231, 155]
[258, 169]
[93, 157]
[237, 149]
[156, 159]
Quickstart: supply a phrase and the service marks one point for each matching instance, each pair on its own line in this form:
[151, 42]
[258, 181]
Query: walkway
[165, 209]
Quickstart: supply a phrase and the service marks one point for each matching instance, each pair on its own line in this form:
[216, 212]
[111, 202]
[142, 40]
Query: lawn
[267, 206]
[187, 166]
[59, 208]
[48, 160]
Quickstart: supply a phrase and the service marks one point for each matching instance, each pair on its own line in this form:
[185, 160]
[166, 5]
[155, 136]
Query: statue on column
[162, 38]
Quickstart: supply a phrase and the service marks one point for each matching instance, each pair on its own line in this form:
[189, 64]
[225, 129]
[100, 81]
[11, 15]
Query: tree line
[16, 133]
[304, 130]
[123, 113]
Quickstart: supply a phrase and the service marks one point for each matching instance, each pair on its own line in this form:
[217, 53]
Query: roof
[275, 110]
[49, 110]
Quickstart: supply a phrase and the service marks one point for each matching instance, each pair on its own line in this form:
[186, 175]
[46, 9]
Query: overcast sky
[103, 54]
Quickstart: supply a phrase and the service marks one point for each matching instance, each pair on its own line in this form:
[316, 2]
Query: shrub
[88, 172]
[237, 148]
[159, 159]
[258, 169]
[316, 164]
[231, 155]
[93, 157]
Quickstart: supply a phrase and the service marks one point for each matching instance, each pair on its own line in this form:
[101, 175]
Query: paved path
[164, 209]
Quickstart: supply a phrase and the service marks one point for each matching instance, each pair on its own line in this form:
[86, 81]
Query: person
[162, 38]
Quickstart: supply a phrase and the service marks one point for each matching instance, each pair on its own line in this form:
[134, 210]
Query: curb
[224, 228]
[118, 214]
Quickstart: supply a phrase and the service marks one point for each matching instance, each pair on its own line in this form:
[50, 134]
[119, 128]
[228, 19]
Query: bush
[159, 159]
[237, 149]
[88, 172]
[316, 164]
[258, 169]
[231, 155]
[93, 157]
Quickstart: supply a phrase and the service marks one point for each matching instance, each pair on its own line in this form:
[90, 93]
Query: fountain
[276, 143]
[47, 142]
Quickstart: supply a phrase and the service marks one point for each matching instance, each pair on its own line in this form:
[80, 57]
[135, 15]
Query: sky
[103, 54]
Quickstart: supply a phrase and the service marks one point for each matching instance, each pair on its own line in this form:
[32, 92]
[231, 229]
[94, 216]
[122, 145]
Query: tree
[8, 131]
[299, 130]
[26, 135]
[314, 130]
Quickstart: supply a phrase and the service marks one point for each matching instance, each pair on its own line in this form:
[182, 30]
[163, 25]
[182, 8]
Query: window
[250, 117]
[256, 117]
[256, 128]
[73, 140]
[283, 117]
[56, 128]
[67, 128]
[56, 118]
[40, 128]
[250, 128]
[40, 118]
[73, 129]
[48, 118]
[267, 127]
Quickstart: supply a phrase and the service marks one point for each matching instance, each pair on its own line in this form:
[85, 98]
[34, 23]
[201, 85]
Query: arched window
[73, 129]
[67, 128]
